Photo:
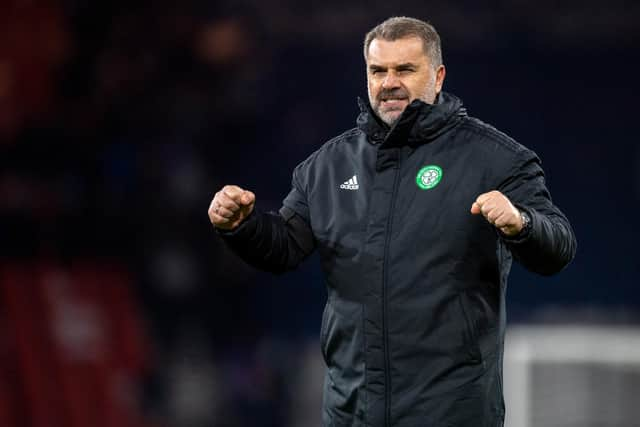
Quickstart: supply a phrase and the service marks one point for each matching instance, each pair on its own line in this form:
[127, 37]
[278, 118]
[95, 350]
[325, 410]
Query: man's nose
[390, 81]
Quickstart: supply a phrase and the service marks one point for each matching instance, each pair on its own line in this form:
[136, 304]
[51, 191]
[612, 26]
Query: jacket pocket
[471, 335]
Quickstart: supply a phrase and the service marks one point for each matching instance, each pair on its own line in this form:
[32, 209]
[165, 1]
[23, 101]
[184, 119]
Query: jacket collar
[419, 122]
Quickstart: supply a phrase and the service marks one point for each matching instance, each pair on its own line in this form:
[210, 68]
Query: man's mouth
[393, 102]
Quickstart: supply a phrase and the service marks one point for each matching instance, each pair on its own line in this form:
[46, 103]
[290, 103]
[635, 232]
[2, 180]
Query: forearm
[549, 245]
[271, 242]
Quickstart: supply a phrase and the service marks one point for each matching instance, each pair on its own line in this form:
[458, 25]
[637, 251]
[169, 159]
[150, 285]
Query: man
[417, 213]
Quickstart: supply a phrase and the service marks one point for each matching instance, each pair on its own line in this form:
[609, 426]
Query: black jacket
[413, 328]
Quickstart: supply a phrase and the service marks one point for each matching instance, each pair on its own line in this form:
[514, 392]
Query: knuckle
[231, 191]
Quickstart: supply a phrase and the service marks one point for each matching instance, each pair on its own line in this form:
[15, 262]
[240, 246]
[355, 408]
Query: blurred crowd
[119, 120]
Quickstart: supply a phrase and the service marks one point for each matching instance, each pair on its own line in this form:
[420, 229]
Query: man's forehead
[404, 50]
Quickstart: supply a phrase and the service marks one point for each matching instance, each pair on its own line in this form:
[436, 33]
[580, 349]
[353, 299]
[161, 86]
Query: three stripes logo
[351, 184]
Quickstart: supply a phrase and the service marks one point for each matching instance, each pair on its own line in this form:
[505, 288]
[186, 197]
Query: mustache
[392, 94]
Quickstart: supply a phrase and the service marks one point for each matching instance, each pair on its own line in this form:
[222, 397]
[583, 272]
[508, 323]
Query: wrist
[526, 223]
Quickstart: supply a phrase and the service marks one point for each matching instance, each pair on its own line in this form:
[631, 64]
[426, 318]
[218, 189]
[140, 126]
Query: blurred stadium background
[120, 119]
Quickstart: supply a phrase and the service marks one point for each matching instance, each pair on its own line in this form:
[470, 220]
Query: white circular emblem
[429, 177]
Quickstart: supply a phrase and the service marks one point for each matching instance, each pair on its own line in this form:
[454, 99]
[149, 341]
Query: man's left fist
[498, 210]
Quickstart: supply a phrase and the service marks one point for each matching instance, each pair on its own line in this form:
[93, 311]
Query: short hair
[399, 27]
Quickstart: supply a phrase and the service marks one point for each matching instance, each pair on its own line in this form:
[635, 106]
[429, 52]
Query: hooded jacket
[413, 328]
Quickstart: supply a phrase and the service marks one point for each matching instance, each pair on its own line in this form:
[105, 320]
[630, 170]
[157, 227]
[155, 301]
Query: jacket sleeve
[271, 241]
[550, 243]
[275, 242]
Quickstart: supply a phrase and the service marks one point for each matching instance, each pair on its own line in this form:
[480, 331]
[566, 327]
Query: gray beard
[389, 123]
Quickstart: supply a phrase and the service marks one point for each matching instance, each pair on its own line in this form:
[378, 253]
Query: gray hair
[399, 27]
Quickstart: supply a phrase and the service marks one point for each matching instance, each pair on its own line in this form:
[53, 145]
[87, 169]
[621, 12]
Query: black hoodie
[413, 328]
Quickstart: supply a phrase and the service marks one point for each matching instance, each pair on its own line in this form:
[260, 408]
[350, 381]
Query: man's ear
[441, 72]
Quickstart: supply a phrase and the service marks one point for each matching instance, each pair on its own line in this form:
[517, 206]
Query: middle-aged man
[417, 213]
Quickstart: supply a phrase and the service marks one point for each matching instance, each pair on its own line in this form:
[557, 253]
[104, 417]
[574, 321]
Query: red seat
[79, 344]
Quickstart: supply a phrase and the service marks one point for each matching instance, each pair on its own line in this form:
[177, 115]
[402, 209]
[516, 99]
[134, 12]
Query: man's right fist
[230, 206]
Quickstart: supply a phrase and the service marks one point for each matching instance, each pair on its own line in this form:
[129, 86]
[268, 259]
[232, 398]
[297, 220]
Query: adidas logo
[351, 184]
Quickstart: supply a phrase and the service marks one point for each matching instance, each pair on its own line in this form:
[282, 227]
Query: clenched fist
[230, 206]
[498, 210]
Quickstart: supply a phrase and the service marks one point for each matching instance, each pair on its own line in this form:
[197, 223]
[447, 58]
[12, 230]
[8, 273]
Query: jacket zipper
[385, 332]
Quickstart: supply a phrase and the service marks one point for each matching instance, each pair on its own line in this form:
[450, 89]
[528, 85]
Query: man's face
[399, 72]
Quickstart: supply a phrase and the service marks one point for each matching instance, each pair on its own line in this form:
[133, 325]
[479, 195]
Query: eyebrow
[402, 66]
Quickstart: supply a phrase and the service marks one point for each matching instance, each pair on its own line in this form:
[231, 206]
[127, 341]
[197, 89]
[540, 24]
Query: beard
[390, 114]
[397, 99]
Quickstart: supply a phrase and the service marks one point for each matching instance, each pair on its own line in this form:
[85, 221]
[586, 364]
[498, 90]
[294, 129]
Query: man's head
[404, 63]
